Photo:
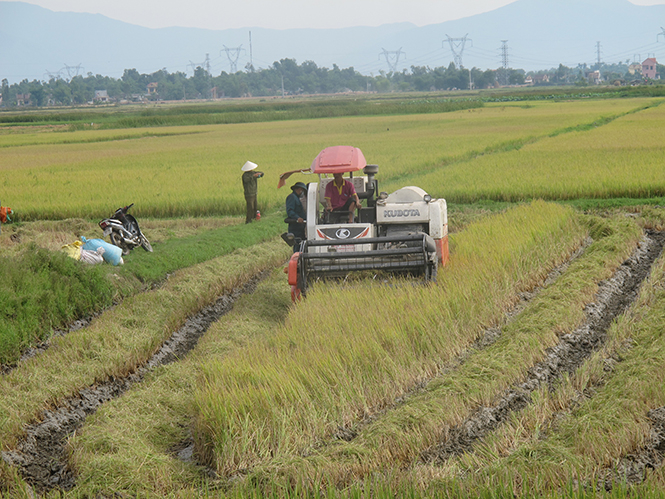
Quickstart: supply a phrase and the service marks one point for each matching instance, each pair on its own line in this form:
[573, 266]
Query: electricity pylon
[205, 65]
[232, 54]
[392, 58]
[457, 48]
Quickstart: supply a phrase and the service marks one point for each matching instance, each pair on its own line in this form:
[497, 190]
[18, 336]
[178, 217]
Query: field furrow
[613, 297]
[533, 367]
[549, 338]
[600, 428]
[89, 366]
[41, 455]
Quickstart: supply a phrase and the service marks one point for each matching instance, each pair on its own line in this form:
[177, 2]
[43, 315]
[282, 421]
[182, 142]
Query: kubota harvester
[404, 232]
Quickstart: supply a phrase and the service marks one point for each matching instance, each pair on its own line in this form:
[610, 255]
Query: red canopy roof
[339, 159]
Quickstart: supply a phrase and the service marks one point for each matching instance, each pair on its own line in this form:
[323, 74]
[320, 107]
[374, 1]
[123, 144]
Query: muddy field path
[41, 455]
[145, 331]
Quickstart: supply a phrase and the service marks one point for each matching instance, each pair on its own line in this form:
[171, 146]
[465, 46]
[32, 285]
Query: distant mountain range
[36, 43]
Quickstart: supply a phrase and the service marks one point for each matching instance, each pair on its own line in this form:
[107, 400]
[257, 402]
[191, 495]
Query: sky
[280, 14]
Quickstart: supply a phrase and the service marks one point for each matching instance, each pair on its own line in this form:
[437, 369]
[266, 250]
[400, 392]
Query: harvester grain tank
[405, 232]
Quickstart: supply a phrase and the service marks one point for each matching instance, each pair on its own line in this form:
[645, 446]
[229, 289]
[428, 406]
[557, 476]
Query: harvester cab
[405, 232]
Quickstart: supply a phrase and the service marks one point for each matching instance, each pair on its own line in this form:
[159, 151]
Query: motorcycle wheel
[117, 241]
[145, 244]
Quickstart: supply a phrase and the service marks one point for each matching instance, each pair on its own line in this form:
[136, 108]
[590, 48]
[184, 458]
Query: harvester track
[631, 469]
[41, 455]
[487, 339]
[614, 297]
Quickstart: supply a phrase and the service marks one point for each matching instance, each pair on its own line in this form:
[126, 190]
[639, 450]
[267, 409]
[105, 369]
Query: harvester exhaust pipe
[370, 171]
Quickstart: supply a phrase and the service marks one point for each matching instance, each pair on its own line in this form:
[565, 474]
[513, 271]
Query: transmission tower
[72, 71]
[54, 76]
[598, 51]
[504, 63]
[662, 33]
[392, 58]
[457, 48]
[232, 54]
[205, 65]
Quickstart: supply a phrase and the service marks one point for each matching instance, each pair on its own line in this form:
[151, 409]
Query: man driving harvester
[341, 196]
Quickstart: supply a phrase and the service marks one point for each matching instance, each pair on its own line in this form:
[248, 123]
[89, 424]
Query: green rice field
[462, 156]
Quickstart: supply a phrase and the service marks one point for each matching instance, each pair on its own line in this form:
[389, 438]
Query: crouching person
[296, 213]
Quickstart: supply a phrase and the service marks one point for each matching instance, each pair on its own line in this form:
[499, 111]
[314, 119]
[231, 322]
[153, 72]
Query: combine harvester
[405, 232]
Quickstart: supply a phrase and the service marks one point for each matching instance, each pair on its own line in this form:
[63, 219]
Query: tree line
[284, 77]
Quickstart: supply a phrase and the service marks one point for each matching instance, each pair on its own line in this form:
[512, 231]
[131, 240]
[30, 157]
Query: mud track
[487, 339]
[632, 469]
[41, 456]
[614, 297]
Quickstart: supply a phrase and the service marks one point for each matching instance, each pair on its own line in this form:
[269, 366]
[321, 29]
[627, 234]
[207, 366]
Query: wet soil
[632, 469]
[41, 457]
[613, 298]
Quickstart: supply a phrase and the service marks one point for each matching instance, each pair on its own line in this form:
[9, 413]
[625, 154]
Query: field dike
[41, 455]
[614, 297]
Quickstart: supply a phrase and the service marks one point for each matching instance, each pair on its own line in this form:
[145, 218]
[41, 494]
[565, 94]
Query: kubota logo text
[401, 213]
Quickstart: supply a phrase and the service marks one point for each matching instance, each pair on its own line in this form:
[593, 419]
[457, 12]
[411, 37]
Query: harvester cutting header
[403, 232]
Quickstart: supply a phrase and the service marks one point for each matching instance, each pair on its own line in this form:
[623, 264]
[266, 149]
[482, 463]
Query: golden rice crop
[621, 159]
[346, 352]
[196, 170]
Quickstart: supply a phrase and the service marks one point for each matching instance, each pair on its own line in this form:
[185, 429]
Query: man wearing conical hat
[249, 184]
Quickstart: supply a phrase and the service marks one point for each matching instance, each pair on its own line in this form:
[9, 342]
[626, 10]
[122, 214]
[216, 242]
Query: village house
[635, 68]
[649, 68]
[540, 79]
[152, 88]
[101, 96]
[594, 77]
[22, 99]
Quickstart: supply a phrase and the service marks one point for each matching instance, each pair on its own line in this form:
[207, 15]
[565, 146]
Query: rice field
[622, 158]
[367, 388]
[195, 171]
[285, 402]
[274, 400]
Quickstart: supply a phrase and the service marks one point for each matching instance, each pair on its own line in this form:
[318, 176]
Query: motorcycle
[124, 231]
